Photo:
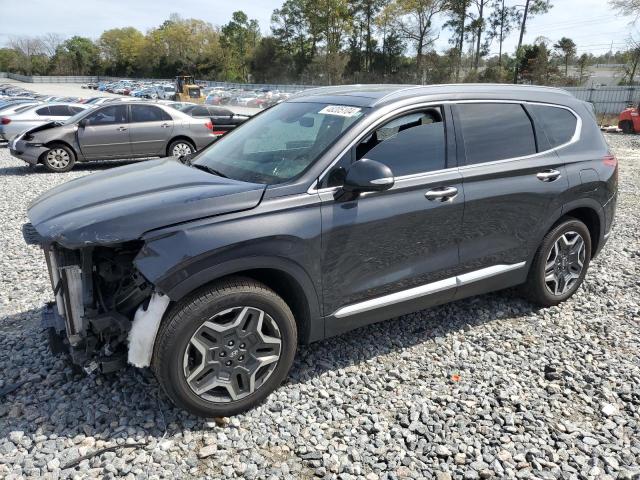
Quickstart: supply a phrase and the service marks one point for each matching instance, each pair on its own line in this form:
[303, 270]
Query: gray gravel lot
[480, 388]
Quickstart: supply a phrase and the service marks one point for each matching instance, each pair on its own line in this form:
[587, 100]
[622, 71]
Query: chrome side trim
[483, 273]
[428, 289]
[397, 297]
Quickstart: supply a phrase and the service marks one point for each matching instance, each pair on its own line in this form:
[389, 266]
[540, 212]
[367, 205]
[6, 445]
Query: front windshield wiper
[208, 169]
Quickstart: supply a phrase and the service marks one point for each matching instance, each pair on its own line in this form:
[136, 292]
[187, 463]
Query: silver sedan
[113, 130]
[16, 123]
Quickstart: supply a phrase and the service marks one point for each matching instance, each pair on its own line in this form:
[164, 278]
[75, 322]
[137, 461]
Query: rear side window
[219, 112]
[200, 112]
[60, 110]
[495, 131]
[43, 111]
[559, 124]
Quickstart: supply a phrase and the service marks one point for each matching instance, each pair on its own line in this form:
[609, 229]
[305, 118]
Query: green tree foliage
[566, 48]
[122, 51]
[239, 39]
[76, 56]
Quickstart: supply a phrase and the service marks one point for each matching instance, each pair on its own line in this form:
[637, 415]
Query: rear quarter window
[558, 124]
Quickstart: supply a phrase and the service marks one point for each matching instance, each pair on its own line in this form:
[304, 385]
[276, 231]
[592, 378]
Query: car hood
[123, 203]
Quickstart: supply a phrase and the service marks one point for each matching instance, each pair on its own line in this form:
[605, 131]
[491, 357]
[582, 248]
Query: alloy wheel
[565, 263]
[232, 354]
[58, 158]
[181, 149]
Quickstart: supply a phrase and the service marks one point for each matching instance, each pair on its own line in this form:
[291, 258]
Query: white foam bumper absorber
[144, 329]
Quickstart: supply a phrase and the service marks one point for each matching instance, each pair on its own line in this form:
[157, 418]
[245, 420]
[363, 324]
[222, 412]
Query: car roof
[379, 95]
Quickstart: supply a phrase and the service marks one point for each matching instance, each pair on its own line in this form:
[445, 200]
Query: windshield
[77, 116]
[280, 143]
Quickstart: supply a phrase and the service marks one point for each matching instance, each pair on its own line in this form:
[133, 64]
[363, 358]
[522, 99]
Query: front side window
[108, 116]
[495, 131]
[147, 113]
[280, 143]
[412, 143]
[559, 124]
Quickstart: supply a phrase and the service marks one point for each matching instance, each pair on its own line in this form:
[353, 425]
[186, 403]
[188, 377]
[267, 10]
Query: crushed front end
[97, 292]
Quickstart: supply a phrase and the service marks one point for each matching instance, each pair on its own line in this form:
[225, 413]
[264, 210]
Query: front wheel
[223, 350]
[560, 264]
[59, 158]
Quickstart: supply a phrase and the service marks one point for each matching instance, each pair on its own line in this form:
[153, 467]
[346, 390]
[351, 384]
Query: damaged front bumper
[100, 299]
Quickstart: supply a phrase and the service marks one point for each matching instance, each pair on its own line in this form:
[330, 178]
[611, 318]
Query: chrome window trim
[428, 289]
[576, 136]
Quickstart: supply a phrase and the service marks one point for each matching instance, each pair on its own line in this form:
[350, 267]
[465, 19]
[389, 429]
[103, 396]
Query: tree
[77, 56]
[458, 13]
[290, 27]
[531, 8]
[478, 25]
[567, 50]
[501, 23]
[583, 63]
[240, 37]
[632, 60]
[122, 50]
[414, 21]
[627, 7]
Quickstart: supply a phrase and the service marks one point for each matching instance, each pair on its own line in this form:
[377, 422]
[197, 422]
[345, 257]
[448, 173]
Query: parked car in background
[116, 130]
[223, 119]
[14, 124]
[12, 108]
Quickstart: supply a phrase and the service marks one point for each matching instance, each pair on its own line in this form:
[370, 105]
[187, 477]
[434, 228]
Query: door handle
[548, 175]
[442, 194]
[165, 125]
[122, 129]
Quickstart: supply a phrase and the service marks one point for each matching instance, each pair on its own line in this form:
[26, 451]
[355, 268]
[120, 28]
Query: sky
[590, 23]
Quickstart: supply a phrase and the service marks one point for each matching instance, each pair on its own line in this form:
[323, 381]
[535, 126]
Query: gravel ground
[480, 388]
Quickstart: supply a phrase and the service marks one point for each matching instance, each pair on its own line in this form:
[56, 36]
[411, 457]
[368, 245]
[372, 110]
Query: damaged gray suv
[340, 207]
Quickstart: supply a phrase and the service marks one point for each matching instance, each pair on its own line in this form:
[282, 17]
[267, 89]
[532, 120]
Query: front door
[105, 133]
[392, 252]
[151, 129]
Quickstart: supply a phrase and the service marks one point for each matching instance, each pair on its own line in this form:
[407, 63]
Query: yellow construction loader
[187, 90]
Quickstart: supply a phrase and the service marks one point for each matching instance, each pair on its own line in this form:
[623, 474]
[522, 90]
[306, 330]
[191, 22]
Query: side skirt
[418, 298]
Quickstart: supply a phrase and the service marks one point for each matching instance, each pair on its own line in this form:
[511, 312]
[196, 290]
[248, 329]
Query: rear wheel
[560, 264]
[626, 126]
[226, 348]
[180, 147]
[59, 158]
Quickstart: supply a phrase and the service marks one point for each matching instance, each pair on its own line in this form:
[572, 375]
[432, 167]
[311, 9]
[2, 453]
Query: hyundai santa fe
[340, 207]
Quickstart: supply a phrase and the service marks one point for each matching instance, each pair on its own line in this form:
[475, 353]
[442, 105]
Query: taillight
[610, 160]
[5, 121]
[209, 125]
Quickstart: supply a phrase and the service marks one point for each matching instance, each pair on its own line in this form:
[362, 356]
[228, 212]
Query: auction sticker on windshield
[340, 110]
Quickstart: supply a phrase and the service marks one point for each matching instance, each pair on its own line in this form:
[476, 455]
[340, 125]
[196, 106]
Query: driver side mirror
[368, 176]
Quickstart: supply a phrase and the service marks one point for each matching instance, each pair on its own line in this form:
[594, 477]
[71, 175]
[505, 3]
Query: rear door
[512, 179]
[105, 133]
[151, 129]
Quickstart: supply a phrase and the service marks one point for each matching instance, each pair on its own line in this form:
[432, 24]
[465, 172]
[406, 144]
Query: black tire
[187, 316]
[536, 288]
[626, 126]
[180, 141]
[54, 163]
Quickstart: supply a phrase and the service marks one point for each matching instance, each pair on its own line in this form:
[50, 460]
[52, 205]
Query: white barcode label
[340, 110]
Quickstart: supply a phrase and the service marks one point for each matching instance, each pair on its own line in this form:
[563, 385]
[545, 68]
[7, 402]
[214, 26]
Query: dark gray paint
[196, 227]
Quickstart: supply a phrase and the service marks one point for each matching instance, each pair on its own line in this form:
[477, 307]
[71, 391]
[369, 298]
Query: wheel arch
[286, 278]
[52, 143]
